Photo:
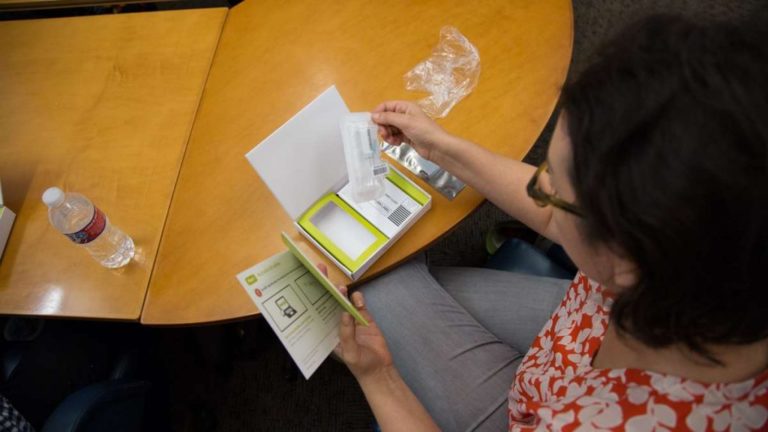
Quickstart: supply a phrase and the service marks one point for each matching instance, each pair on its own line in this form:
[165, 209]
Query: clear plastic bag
[448, 75]
[365, 168]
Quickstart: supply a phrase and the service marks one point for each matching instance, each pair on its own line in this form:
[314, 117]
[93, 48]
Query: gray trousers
[457, 335]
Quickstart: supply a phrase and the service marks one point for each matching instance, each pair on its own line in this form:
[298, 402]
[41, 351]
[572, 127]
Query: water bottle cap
[53, 196]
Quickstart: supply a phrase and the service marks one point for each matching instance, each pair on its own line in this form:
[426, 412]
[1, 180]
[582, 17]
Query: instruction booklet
[302, 305]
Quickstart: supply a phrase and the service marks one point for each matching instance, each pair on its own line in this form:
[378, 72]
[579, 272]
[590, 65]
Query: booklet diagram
[301, 312]
[301, 305]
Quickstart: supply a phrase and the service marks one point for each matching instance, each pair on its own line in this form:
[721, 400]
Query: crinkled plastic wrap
[448, 75]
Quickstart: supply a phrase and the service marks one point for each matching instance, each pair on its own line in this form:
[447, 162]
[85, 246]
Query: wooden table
[273, 58]
[102, 105]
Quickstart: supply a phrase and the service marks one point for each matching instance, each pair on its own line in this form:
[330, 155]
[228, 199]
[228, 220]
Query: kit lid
[303, 159]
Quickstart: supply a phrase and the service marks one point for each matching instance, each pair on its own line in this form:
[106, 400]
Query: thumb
[398, 120]
[349, 347]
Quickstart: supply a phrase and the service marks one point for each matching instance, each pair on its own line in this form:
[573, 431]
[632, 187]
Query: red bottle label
[93, 229]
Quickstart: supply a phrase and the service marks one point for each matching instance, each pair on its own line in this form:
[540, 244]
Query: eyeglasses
[543, 199]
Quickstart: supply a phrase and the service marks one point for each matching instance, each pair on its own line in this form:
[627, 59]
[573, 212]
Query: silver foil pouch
[445, 183]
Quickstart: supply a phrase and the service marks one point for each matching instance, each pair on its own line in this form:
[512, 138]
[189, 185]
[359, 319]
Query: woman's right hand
[404, 122]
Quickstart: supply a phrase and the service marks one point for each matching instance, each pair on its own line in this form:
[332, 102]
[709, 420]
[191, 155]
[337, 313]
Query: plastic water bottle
[77, 218]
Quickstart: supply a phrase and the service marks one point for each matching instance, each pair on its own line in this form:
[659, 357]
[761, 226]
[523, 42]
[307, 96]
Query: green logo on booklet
[251, 279]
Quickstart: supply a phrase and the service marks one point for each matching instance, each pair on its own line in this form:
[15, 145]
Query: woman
[656, 185]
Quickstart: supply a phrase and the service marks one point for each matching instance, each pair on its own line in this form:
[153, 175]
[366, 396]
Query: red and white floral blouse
[557, 389]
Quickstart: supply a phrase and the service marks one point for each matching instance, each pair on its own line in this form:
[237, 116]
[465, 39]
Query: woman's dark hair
[669, 131]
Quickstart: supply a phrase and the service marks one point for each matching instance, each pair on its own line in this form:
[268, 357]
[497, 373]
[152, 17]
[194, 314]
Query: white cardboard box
[6, 222]
[302, 162]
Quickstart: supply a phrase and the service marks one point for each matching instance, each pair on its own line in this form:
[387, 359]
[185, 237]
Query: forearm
[501, 180]
[395, 406]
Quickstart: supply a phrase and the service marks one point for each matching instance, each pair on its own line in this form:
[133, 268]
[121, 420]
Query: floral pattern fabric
[557, 389]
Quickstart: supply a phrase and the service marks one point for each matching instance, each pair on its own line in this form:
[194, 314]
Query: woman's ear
[626, 276]
[625, 271]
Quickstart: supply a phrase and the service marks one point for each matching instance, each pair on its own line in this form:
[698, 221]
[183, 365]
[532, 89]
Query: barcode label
[378, 170]
[399, 215]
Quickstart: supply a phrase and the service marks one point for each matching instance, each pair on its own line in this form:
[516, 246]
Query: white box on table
[6, 222]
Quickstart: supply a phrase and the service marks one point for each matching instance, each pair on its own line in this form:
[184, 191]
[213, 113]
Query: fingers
[392, 125]
[323, 269]
[392, 135]
[380, 107]
[387, 118]
[394, 117]
[349, 347]
[369, 318]
[394, 106]
[384, 132]
[358, 300]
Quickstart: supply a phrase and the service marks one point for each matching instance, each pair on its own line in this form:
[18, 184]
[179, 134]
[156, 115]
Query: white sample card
[388, 213]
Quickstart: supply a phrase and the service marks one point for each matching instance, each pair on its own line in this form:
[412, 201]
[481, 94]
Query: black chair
[116, 405]
[519, 256]
[106, 390]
